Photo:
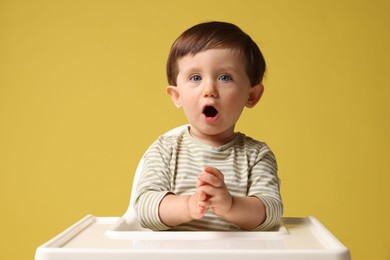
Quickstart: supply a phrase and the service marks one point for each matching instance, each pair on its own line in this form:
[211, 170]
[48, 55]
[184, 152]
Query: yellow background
[82, 95]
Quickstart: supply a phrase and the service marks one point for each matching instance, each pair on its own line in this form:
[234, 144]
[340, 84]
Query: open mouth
[210, 111]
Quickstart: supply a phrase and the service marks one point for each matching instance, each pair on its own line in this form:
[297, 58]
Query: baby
[207, 176]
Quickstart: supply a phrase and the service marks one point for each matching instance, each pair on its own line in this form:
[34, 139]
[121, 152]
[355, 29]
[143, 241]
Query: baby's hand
[211, 183]
[196, 210]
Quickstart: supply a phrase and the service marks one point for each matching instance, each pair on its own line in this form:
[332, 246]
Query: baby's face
[212, 88]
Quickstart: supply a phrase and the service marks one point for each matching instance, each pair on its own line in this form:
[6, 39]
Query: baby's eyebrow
[190, 71]
[229, 67]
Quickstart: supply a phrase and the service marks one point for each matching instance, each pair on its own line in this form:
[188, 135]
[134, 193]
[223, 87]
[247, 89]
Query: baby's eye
[225, 77]
[195, 78]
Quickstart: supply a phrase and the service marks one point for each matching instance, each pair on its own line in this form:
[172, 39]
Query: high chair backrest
[130, 214]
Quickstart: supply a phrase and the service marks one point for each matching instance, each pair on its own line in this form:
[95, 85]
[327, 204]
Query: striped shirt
[173, 163]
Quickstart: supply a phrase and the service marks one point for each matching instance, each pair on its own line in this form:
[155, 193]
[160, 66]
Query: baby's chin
[212, 133]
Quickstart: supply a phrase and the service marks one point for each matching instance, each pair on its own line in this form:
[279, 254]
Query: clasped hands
[211, 192]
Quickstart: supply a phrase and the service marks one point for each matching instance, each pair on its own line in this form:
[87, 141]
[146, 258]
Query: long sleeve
[154, 185]
[264, 184]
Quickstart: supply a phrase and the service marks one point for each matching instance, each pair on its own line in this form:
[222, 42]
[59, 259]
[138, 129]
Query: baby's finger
[214, 171]
[200, 183]
[204, 204]
[210, 179]
[208, 190]
[202, 196]
[202, 210]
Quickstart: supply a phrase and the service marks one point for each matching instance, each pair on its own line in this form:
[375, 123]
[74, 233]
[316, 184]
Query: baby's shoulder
[168, 141]
[253, 147]
[250, 143]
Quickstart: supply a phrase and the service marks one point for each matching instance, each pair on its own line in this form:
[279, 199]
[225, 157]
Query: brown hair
[216, 35]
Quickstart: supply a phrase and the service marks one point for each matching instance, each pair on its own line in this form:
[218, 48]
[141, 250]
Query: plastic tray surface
[114, 238]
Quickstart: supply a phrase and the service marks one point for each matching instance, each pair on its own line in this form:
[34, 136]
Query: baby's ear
[173, 92]
[255, 95]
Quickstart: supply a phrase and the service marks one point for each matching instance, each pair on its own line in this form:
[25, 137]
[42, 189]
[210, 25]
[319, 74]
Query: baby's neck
[217, 140]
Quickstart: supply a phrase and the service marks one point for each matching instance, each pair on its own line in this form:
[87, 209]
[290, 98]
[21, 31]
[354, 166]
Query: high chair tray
[124, 230]
[100, 238]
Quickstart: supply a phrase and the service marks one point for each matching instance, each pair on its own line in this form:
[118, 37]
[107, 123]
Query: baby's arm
[246, 212]
[178, 209]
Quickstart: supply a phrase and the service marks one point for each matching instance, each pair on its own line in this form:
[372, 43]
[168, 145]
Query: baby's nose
[210, 89]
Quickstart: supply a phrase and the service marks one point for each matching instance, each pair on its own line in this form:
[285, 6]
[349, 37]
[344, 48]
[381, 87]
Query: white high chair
[130, 216]
[121, 238]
